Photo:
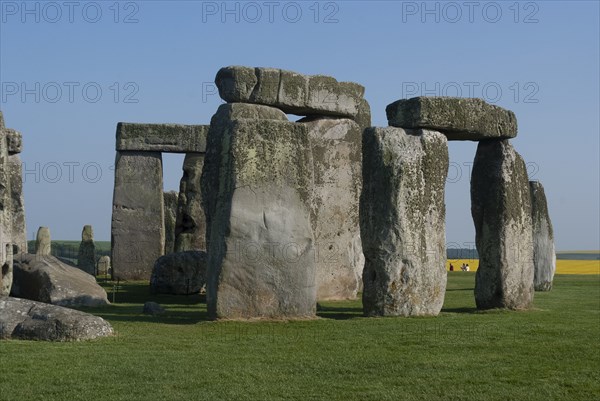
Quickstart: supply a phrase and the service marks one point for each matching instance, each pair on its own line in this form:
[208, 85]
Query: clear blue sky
[542, 56]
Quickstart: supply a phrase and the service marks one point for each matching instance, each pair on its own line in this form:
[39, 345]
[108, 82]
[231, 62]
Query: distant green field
[69, 249]
[549, 353]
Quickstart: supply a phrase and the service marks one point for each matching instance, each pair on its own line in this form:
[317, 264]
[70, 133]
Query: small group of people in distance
[464, 267]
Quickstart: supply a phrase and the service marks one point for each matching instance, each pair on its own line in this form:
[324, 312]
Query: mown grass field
[549, 353]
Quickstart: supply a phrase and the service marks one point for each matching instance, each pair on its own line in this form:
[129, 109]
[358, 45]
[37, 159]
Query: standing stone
[220, 122]
[337, 157]
[138, 224]
[42, 242]
[13, 235]
[261, 249]
[19, 229]
[501, 209]
[402, 221]
[86, 259]
[170, 201]
[190, 229]
[544, 254]
[103, 266]
[6, 220]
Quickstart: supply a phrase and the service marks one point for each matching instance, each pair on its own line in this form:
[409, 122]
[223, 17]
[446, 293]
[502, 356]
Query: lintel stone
[173, 138]
[459, 119]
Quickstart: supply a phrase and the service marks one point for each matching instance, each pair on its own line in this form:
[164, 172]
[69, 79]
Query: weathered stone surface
[86, 258]
[179, 273]
[87, 233]
[6, 218]
[261, 247]
[173, 138]
[152, 308]
[6, 277]
[42, 242]
[1, 120]
[29, 320]
[19, 230]
[544, 253]
[103, 265]
[363, 118]
[170, 202]
[138, 225]
[501, 209]
[190, 227]
[337, 157]
[220, 123]
[14, 141]
[402, 221]
[289, 91]
[457, 118]
[47, 279]
[245, 111]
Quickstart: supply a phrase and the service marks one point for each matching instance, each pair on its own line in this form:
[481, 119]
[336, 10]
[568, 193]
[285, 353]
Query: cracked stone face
[402, 221]
[261, 261]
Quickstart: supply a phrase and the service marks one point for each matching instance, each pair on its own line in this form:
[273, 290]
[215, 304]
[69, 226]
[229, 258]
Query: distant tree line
[70, 249]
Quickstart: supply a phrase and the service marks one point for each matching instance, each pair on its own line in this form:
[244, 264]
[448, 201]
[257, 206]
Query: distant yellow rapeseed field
[562, 266]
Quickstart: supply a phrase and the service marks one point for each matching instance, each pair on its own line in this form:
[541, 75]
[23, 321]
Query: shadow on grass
[469, 310]
[339, 313]
[130, 297]
[127, 302]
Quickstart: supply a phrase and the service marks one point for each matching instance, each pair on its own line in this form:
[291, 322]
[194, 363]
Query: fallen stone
[289, 91]
[86, 258]
[544, 253]
[458, 118]
[174, 138]
[138, 224]
[501, 209]
[152, 308]
[337, 157]
[29, 320]
[46, 279]
[170, 202]
[179, 273]
[42, 242]
[190, 226]
[402, 221]
[261, 250]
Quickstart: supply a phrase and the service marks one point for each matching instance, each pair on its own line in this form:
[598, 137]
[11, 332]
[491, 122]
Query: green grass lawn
[549, 353]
